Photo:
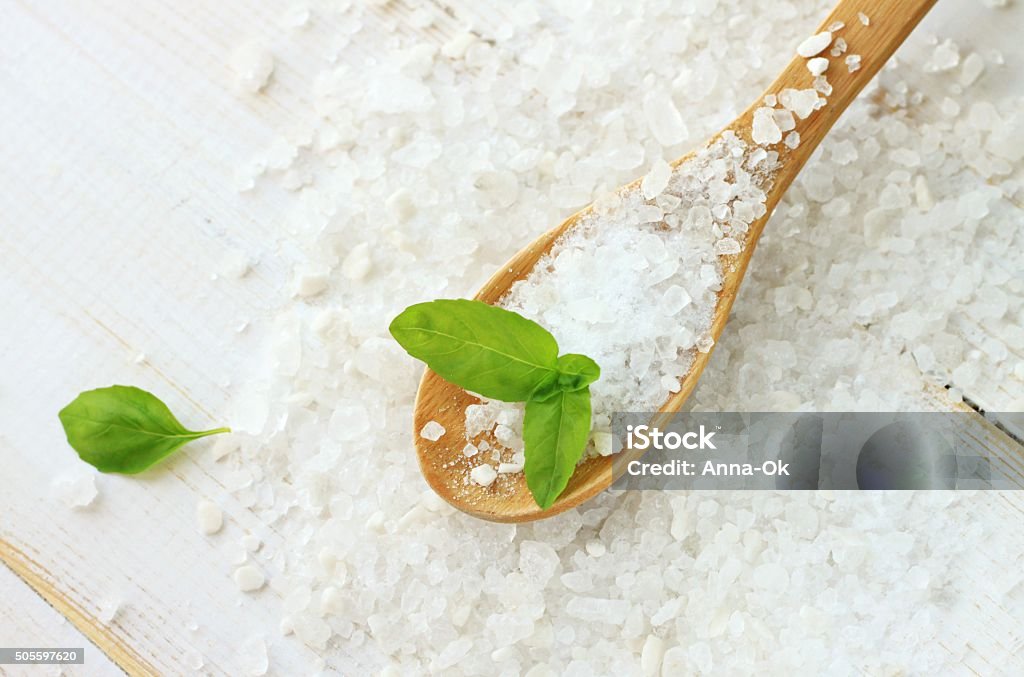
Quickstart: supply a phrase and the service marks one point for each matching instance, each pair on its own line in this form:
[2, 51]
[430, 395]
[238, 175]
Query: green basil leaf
[555, 431]
[124, 429]
[576, 371]
[483, 348]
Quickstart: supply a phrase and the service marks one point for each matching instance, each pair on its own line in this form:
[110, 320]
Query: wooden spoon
[508, 500]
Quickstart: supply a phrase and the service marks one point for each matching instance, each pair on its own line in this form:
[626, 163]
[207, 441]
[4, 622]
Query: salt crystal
[295, 16]
[209, 517]
[765, 130]
[77, 491]
[853, 62]
[252, 657]
[817, 65]
[836, 26]
[972, 69]
[496, 189]
[248, 578]
[650, 656]
[432, 431]
[801, 101]
[108, 610]
[656, 180]
[700, 655]
[815, 44]
[675, 661]
[357, 262]
[470, 450]
[839, 47]
[604, 443]
[792, 140]
[310, 282]
[484, 475]
[253, 64]
[784, 119]
[234, 265]
[945, 57]
[597, 610]
[727, 246]
[664, 119]
[538, 561]
[506, 468]
[504, 434]
[864, 18]
[400, 205]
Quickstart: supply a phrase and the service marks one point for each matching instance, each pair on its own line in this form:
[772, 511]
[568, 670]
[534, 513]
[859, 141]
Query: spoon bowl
[508, 499]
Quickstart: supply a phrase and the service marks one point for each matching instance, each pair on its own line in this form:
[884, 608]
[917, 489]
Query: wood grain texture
[508, 498]
[27, 620]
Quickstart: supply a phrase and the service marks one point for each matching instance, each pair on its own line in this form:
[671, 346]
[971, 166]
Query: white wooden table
[120, 138]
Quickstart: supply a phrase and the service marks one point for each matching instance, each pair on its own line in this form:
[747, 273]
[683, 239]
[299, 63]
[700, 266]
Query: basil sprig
[504, 356]
[124, 429]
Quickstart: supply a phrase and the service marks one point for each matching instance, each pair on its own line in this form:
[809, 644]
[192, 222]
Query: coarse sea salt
[209, 517]
[248, 578]
[817, 65]
[613, 263]
[815, 44]
[537, 117]
[432, 430]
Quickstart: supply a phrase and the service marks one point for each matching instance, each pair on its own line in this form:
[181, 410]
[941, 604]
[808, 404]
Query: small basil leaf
[124, 429]
[484, 349]
[555, 431]
[576, 371]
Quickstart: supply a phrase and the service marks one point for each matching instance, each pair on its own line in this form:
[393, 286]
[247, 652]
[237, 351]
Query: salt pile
[633, 283]
[883, 270]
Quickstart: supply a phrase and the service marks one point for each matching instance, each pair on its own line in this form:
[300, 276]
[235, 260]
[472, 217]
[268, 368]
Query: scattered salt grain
[815, 44]
[946, 56]
[432, 431]
[234, 265]
[470, 450]
[802, 102]
[792, 140]
[853, 62]
[76, 491]
[484, 475]
[209, 517]
[505, 468]
[864, 19]
[253, 64]
[310, 282]
[248, 578]
[836, 26]
[817, 65]
[109, 608]
[252, 657]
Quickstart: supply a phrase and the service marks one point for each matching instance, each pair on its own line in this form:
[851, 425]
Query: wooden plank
[26, 620]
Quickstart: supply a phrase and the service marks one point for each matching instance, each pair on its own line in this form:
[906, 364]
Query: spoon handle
[889, 24]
